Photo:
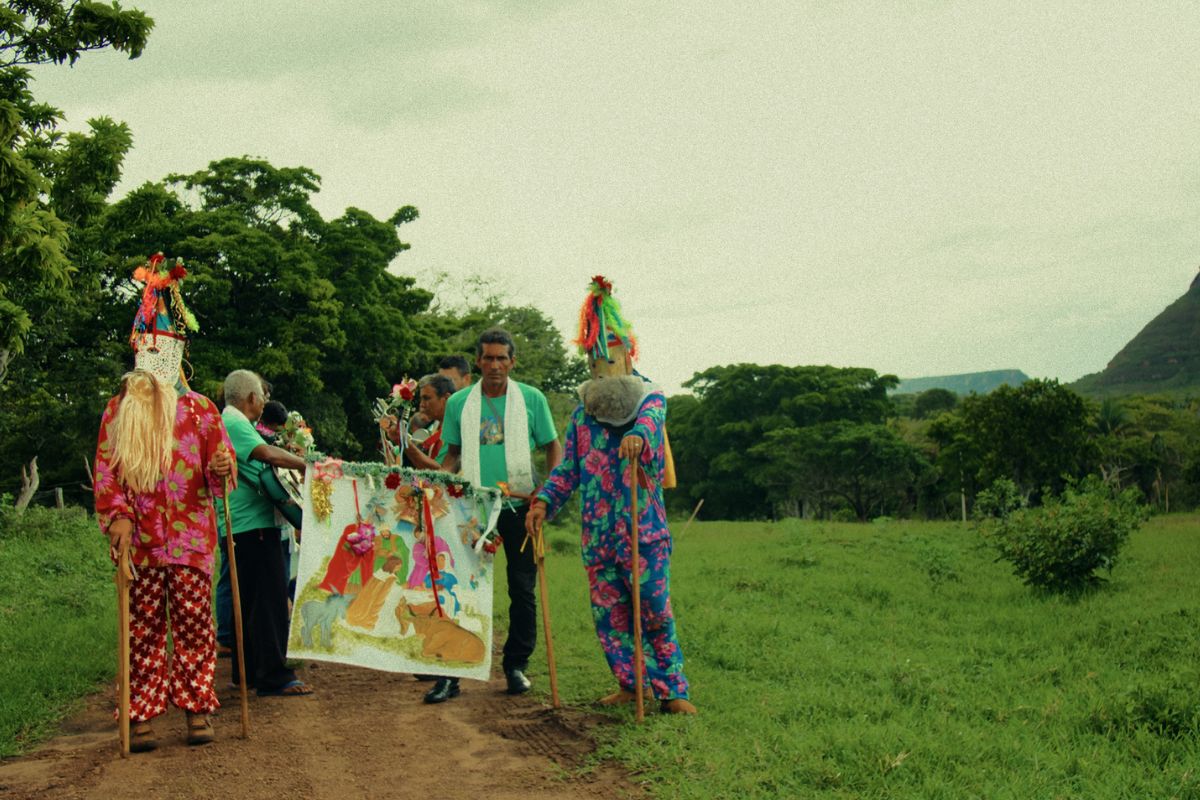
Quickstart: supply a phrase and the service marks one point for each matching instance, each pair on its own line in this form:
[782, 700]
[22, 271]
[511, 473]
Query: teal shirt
[493, 468]
[250, 509]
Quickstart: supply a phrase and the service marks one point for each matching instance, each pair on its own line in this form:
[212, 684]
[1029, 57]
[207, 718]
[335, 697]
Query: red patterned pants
[184, 592]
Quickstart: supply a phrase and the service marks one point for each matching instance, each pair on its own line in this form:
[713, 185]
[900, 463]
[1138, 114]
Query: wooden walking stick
[539, 556]
[124, 576]
[639, 666]
[237, 614]
[692, 517]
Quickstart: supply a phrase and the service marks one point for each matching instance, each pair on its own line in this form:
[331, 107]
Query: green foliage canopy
[1036, 435]
[723, 440]
[48, 181]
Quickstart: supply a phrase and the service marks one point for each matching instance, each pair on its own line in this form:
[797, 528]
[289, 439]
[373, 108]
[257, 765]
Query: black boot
[443, 690]
[517, 682]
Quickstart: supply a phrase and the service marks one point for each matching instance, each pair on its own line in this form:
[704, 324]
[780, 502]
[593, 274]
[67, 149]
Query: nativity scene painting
[395, 570]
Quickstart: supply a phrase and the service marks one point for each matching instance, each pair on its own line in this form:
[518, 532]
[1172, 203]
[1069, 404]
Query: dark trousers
[224, 598]
[522, 580]
[262, 584]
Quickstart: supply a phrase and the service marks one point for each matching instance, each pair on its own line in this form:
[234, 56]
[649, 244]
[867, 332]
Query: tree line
[309, 303]
[768, 441]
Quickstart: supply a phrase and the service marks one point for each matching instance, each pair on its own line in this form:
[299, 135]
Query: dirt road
[362, 734]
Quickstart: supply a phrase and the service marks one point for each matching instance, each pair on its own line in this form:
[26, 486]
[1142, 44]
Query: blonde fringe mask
[143, 431]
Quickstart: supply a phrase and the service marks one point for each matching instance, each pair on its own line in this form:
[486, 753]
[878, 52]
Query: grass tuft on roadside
[58, 627]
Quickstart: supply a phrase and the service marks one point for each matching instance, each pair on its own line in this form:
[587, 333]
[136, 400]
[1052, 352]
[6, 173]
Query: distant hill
[1163, 358]
[978, 382]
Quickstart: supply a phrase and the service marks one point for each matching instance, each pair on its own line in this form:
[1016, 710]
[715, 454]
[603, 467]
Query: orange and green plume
[601, 322]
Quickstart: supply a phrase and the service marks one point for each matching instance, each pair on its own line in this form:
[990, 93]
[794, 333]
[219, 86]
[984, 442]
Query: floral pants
[612, 602]
[185, 594]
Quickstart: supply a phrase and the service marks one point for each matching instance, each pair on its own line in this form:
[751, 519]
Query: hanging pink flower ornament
[328, 470]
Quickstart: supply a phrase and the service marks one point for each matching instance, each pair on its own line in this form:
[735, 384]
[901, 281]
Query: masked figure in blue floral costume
[621, 416]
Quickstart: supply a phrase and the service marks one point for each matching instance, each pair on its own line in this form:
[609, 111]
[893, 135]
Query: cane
[124, 576]
[539, 555]
[639, 667]
[237, 614]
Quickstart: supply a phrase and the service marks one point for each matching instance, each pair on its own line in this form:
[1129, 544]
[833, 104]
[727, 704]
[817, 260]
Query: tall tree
[932, 402]
[310, 304]
[1036, 435]
[47, 180]
[738, 405]
[865, 465]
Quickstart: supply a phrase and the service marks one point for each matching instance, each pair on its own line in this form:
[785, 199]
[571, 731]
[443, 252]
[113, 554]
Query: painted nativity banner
[395, 570]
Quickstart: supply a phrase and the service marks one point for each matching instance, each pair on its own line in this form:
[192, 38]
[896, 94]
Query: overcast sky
[922, 188]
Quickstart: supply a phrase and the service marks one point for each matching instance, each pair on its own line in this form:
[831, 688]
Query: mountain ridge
[1164, 356]
[964, 382]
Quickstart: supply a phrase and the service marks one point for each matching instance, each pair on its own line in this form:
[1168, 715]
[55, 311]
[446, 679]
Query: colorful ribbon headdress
[161, 293]
[601, 322]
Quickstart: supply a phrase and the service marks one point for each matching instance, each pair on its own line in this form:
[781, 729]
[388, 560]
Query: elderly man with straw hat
[161, 459]
[621, 417]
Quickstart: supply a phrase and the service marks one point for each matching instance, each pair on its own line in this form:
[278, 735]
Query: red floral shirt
[176, 523]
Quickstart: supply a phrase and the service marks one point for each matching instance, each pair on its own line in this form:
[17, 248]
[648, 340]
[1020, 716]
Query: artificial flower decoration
[360, 538]
[405, 390]
[296, 435]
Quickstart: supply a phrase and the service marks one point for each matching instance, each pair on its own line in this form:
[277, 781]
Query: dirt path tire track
[362, 734]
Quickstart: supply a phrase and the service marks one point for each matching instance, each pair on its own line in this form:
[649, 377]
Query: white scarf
[516, 438]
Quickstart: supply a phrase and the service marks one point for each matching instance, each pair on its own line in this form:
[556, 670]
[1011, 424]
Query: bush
[998, 500]
[1060, 546]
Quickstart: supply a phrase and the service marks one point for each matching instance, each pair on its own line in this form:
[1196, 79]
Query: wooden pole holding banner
[237, 614]
[639, 666]
[124, 576]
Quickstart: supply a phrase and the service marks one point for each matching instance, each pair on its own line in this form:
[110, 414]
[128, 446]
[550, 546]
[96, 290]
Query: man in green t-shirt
[258, 547]
[489, 431]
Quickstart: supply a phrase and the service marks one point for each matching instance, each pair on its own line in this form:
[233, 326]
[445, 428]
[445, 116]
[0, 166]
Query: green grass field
[893, 660]
[898, 660]
[58, 621]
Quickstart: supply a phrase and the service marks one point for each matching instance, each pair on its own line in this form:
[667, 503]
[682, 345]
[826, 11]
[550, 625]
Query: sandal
[141, 738]
[678, 705]
[617, 698]
[199, 729]
[294, 688]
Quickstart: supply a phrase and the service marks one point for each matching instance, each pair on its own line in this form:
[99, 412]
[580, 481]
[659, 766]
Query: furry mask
[614, 401]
